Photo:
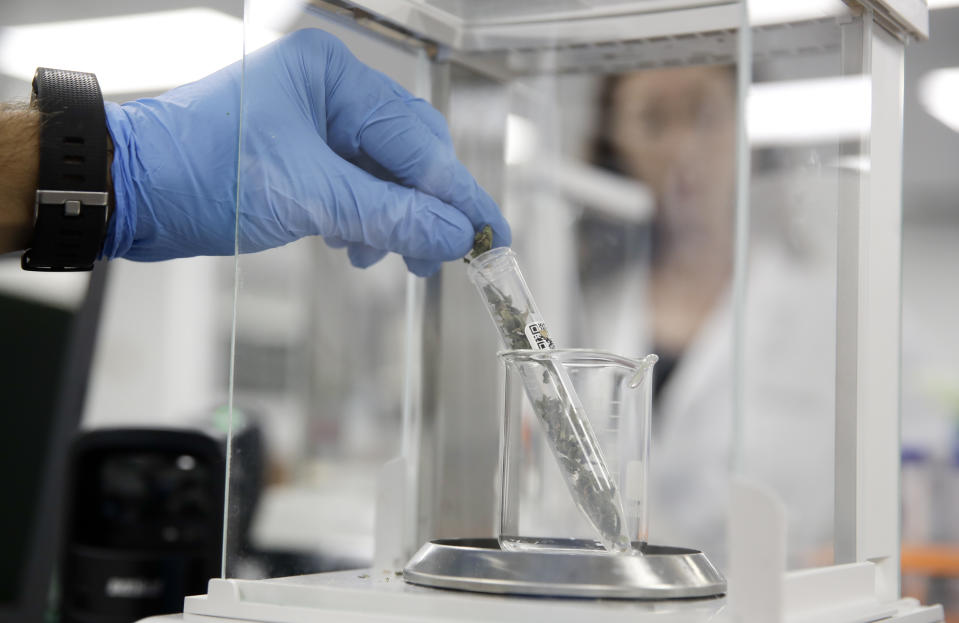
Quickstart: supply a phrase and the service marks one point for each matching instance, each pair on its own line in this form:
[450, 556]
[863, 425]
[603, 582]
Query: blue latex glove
[330, 147]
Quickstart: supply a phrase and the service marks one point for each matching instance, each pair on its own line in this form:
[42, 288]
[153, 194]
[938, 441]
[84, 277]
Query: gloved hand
[329, 147]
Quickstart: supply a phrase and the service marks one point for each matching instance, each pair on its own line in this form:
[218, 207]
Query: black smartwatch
[71, 209]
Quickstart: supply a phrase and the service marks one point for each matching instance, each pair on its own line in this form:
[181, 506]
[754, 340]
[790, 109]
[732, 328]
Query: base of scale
[564, 568]
[381, 596]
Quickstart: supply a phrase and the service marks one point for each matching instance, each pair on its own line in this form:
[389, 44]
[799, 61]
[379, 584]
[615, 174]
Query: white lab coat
[786, 432]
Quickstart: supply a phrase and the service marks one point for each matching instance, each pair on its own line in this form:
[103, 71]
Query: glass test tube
[498, 279]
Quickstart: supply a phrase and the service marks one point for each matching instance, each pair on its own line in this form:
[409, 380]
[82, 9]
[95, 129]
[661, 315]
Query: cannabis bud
[482, 242]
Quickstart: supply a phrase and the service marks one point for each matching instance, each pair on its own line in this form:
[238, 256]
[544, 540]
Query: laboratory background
[349, 413]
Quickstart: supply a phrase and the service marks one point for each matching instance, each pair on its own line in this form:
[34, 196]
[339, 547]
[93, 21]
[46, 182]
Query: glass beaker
[538, 507]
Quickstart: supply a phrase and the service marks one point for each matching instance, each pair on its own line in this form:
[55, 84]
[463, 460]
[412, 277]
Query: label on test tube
[538, 336]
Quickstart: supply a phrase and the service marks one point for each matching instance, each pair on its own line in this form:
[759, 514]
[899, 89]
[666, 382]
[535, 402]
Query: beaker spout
[642, 370]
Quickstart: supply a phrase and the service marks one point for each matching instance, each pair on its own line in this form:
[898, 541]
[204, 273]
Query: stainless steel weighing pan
[479, 565]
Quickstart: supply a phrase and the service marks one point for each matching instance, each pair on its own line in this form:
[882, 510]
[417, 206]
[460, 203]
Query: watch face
[148, 499]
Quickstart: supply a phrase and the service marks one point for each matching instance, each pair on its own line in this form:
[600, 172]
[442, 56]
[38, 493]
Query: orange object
[940, 560]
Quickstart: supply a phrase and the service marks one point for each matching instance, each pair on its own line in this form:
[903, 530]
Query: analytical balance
[512, 80]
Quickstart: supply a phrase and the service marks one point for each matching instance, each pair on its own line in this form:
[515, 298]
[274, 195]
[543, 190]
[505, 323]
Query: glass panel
[613, 153]
[808, 114]
[629, 232]
[319, 362]
[621, 205]
[112, 465]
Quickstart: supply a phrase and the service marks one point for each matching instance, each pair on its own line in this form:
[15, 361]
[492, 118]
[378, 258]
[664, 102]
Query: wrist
[19, 164]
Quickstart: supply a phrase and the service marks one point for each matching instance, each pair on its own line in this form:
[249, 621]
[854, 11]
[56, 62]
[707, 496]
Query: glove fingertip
[364, 256]
[458, 243]
[482, 209]
[335, 242]
[421, 268]
[435, 231]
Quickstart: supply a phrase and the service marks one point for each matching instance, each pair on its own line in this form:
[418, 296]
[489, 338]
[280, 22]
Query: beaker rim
[577, 355]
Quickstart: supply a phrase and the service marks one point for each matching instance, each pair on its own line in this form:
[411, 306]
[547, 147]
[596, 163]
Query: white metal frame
[868, 327]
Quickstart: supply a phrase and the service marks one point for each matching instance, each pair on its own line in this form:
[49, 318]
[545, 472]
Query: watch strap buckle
[73, 201]
[67, 216]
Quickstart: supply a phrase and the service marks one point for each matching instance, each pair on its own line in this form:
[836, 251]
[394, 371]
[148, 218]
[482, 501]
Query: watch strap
[72, 195]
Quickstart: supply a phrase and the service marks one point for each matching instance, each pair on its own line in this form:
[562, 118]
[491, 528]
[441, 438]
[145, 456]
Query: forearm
[19, 161]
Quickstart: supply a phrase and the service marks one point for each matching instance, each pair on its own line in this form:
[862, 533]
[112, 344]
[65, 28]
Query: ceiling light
[939, 95]
[809, 111]
[521, 140]
[146, 52]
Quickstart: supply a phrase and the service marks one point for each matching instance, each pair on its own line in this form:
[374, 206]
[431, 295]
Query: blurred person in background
[675, 131]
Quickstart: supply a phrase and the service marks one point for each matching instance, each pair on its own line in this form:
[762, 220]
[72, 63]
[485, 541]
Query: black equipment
[143, 523]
